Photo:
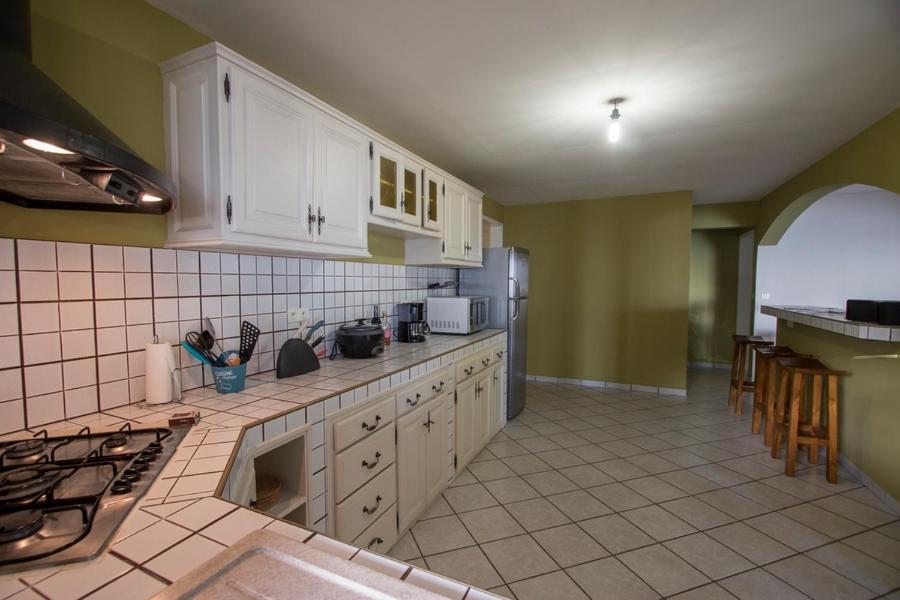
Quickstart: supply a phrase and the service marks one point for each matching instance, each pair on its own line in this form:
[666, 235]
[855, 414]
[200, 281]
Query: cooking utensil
[195, 352]
[197, 343]
[249, 336]
[362, 340]
[209, 335]
[296, 357]
[318, 341]
[313, 329]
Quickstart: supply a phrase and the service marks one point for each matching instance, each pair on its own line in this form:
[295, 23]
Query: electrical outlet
[297, 315]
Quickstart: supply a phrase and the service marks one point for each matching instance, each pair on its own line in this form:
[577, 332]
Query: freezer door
[515, 355]
[518, 273]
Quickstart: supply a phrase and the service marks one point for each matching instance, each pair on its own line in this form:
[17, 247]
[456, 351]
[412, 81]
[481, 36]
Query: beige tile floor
[607, 494]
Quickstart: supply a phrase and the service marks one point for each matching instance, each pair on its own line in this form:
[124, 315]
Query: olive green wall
[725, 215]
[713, 294]
[105, 54]
[869, 158]
[492, 209]
[608, 295]
[870, 397]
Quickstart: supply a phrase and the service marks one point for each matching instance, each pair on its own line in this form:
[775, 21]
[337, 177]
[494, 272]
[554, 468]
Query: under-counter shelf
[282, 458]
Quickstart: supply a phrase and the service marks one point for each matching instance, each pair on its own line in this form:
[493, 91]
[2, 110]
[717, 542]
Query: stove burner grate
[28, 482]
[31, 448]
[116, 440]
[19, 525]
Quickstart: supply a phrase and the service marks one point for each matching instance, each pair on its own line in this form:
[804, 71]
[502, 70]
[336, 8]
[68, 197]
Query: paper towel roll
[161, 375]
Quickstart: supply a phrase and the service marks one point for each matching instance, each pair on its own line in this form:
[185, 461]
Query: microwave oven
[457, 314]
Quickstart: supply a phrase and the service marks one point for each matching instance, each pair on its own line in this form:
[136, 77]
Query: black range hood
[53, 152]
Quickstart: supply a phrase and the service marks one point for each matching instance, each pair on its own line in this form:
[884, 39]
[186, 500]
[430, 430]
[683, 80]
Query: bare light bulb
[614, 133]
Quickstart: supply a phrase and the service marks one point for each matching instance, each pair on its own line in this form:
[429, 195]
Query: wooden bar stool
[739, 381]
[805, 428]
[764, 390]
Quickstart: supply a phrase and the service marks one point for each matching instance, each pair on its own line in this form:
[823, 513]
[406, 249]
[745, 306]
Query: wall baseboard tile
[650, 389]
[709, 365]
[667, 391]
[593, 383]
[892, 503]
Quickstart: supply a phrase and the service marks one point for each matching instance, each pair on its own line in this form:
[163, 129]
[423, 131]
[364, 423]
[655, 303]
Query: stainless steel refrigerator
[504, 279]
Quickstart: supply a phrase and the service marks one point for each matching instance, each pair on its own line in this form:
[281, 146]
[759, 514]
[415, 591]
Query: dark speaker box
[889, 313]
[862, 310]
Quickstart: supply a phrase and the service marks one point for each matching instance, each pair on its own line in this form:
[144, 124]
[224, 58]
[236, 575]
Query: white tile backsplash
[87, 311]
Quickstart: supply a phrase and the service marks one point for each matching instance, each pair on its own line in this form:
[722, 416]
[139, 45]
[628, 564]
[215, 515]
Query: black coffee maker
[412, 326]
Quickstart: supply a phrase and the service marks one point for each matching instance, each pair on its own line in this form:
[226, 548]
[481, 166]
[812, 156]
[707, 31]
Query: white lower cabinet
[421, 459]
[389, 457]
[466, 423]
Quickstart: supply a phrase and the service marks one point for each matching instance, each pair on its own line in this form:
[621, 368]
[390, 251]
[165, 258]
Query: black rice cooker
[362, 340]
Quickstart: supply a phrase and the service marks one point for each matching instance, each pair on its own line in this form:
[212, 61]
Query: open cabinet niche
[273, 477]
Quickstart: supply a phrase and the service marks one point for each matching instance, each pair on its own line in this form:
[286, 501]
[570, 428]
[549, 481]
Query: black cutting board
[296, 357]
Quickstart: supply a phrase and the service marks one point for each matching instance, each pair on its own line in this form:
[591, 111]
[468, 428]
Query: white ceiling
[728, 98]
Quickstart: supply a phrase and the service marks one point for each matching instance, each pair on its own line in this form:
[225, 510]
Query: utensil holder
[229, 380]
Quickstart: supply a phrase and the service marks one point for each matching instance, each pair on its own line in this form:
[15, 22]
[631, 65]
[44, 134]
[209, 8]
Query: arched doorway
[841, 242]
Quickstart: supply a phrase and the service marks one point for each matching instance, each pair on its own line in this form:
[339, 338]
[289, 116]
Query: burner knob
[155, 447]
[140, 464]
[121, 486]
[131, 475]
[147, 455]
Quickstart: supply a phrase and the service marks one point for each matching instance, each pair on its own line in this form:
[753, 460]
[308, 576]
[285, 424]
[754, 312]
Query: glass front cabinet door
[411, 192]
[432, 200]
[386, 181]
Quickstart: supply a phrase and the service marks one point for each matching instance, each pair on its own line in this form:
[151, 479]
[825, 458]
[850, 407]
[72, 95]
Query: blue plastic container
[229, 379]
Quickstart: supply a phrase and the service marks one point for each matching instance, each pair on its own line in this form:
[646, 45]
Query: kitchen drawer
[362, 461]
[417, 394]
[496, 354]
[382, 534]
[365, 505]
[352, 428]
[471, 365]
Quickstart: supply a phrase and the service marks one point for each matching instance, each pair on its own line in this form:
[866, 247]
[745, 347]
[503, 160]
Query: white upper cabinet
[432, 200]
[456, 222]
[341, 184]
[459, 212]
[258, 164]
[387, 165]
[271, 159]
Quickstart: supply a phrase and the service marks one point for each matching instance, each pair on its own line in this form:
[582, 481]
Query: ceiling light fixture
[614, 133]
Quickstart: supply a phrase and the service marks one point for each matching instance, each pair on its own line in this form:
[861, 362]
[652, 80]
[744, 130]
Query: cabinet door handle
[411, 403]
[370, 511]
[376, 541]
[427, 424]
[374, 425]
[321, 219]
[310, 218]
[371, 465]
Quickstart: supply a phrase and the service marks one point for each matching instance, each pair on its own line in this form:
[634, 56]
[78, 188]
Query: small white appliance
[457, 314]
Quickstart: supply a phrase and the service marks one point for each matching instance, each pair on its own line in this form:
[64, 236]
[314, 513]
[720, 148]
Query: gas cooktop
[63, 498]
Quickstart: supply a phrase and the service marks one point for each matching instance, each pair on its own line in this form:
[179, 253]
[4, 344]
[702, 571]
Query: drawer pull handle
[500, 354]
[418, 397]
[370, 511]
[374, 425]
[438, 388]
[371, 465]
[376, 541]
[485, 361]
[469, 370]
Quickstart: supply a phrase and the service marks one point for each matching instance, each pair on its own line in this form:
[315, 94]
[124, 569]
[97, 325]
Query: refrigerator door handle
[515, 314]
[515, 286]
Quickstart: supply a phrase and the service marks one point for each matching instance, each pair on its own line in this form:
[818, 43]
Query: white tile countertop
[180, 523]
[834, 320]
